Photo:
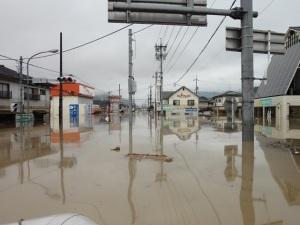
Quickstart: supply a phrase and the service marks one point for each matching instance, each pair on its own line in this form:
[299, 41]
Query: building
[181, 102]
[223, 103]
[279, 96]
[38, 95]
[203, 104]
[77, 102]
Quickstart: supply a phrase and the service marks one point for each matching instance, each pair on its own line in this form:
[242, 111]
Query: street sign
[24, 119]
[171, 12]
[263, 41]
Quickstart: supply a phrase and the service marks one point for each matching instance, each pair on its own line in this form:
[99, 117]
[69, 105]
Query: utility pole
[61, 85]
[247, 71]
[119, 91]
[196, 89]
[130, 91]
[161, 56]
[150, 98]
[155, 93]
[21, 88]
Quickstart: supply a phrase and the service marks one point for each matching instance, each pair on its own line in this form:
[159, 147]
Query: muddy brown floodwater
[212, 179]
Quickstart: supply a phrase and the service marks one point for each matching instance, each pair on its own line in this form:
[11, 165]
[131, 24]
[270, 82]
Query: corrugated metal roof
[281, 72]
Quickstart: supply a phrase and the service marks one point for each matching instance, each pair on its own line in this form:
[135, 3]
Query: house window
[4, 90]
[191, 102]
[42, 92]
[176, 102]
[4, 87]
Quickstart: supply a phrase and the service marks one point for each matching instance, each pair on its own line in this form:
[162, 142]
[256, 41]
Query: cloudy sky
[30, 26]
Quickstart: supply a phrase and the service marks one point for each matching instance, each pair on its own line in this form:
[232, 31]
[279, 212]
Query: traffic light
[66, 80]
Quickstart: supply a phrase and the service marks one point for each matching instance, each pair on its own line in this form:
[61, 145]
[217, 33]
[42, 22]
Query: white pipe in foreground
[62, 219]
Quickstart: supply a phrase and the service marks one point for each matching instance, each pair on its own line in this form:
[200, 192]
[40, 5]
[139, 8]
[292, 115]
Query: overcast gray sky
[30, 26]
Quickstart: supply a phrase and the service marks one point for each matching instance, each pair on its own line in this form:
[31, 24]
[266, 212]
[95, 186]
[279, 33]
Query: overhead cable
[86, 43]
[205, 46]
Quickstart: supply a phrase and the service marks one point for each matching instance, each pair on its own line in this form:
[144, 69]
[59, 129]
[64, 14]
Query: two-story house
[36, 97]
[181, 102]
[221, 102]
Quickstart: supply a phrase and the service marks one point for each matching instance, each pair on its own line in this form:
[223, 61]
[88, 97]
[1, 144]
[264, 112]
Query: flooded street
[212, 178]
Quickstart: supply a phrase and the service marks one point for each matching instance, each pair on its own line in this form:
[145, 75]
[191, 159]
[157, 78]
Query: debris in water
[137, 156]
[116, 149]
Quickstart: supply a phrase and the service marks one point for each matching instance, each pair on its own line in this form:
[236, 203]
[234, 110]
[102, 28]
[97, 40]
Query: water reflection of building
[182, 127]
[36, 144]
[284, 166]
[223, 125]
[72, 132]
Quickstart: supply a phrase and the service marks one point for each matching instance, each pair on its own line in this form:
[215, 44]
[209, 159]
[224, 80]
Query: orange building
[77, 105]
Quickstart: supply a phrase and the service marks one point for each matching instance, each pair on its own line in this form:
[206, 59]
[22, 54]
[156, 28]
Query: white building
[77, 103]
[181, 102]
[39, 96]
[280, 95]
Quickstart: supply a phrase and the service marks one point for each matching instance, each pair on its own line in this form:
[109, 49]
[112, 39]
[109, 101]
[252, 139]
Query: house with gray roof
[181, 102]
[38, 95]
[279, 95]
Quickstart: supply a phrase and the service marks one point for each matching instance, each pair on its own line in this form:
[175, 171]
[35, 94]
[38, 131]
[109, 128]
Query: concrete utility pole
[61, 85]
[150, 98]
[247, 71]
[155, 93]
[130, 91]
[161, 56]
[21, 88]
[196, 89]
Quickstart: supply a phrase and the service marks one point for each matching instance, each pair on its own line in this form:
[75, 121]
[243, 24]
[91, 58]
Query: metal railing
[6, 94]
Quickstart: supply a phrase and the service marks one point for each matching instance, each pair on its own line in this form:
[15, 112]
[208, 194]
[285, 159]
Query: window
[4, 91]
[42, 92]
[191, 102]
[176, 102]
[4, 87]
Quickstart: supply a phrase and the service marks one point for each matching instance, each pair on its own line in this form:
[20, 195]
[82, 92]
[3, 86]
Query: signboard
[171, 12]
[191, 110]
[25, 119]
[86, 91]
[74, 115]
[263, 41]
[265, 102]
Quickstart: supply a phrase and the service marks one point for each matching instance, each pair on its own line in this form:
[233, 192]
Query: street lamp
[27, 79]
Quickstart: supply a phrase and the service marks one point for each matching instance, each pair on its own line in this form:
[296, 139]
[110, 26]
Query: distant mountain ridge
[208, 94]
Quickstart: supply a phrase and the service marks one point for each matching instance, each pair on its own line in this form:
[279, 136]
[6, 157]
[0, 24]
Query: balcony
[5, 94]
[33, 97]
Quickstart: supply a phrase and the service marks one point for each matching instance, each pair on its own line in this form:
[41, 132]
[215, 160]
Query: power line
[179, 43]
[86, 43]
[165, 33]
[187, 44]
[143, 29]
[51, 70]
[205, 46]
[170, 35]
[267, 7]
[183, 50]
[177, 34]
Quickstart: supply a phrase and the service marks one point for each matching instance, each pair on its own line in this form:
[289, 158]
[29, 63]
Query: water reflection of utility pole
[22, 149]
[161, 176]
[246, 199]
[61, 145]
[132, 174]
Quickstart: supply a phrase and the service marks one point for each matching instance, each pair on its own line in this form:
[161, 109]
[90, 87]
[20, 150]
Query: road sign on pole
[141, 11]
[264, 41]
